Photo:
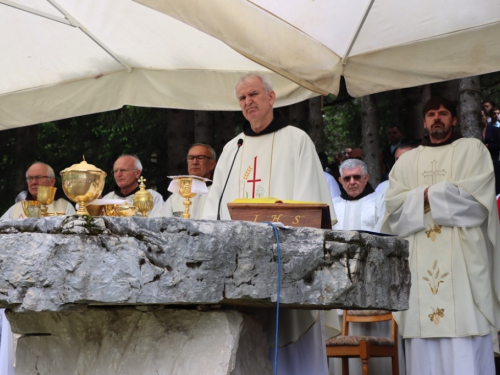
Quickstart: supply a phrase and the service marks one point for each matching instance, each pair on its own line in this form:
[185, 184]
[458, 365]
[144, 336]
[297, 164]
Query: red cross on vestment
[254, 176]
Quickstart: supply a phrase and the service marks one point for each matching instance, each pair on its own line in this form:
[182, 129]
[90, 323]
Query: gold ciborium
[31, 208]
[143, 199]
[185, 186]
[45, 196]
[82, 183]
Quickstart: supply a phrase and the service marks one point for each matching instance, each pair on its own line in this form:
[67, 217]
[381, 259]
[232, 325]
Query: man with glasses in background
[126, 171]
[201, 160]
[359, 207]
[39, 174]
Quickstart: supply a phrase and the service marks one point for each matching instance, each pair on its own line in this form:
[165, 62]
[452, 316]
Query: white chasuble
[366, 213]
[61, 205]
[174, 206]
[255, 169]
[454, 257]
[283, 164]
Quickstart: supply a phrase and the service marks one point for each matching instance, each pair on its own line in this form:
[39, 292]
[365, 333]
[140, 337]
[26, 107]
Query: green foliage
[342, 121]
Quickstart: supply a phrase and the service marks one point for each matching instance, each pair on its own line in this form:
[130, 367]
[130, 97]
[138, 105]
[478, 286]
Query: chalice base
[82, 209]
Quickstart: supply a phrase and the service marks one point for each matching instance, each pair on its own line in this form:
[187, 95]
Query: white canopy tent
[377, 45]
[65, 58]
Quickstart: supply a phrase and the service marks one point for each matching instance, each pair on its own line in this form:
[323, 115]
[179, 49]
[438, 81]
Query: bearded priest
[441, 198]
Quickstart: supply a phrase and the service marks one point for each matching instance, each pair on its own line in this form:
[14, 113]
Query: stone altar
[173, 296]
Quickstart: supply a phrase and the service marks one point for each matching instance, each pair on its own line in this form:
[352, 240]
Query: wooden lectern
[316, 215]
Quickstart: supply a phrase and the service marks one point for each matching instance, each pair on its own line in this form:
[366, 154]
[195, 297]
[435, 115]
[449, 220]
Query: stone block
[67, 263]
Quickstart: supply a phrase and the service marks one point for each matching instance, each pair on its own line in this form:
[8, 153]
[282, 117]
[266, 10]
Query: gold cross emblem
[433, 173]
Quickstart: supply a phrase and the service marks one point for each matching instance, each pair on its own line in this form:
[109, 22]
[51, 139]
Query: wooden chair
[364, 347]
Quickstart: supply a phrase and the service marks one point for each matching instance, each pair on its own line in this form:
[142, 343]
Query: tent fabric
[377, 45]
[67, 58]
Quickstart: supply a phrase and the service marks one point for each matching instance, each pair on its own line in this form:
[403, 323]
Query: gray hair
[50, 171]
[353, 163]
[208, 147]
[137, 161]
[266, 82]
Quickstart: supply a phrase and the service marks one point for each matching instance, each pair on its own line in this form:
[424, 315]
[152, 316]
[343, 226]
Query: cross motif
[434, 172]
[141, 180]
[254, 176]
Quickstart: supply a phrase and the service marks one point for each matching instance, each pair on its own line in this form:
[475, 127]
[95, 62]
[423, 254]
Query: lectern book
[291, 213]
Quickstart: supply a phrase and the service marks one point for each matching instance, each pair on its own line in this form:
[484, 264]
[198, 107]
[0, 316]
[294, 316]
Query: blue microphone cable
[277, 297]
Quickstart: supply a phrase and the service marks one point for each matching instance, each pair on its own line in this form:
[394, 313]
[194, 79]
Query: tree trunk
[316, 123]
[371, 149]
[446, 89]
[180, 135]
[224, 130]
[410, 114]
[299, 115]
[203, 127]
[469, 115]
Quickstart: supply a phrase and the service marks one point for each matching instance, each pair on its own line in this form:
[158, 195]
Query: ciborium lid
[82, 167]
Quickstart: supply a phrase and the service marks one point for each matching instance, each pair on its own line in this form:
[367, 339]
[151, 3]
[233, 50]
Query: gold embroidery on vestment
[435, 278]
[433, 232]
[247, 173]
[436, 315]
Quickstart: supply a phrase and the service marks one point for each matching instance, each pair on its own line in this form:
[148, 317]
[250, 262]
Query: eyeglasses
[122, 170]
[356, 177]
[191, 158]
[36, 178]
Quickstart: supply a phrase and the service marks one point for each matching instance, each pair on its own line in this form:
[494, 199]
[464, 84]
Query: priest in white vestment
[126, 171]
[275, 160]
[333, 186]
[40, 174]
[441, 199]
[359, 207]
[201, 160]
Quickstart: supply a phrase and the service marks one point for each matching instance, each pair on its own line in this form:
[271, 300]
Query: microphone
[240, 142]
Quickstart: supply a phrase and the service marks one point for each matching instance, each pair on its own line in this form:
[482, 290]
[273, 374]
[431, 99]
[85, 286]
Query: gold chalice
[31, 208]
[125, 210]
[45, 196]
[185, 185]
[143, 199]
[82, 183]
[95, 210]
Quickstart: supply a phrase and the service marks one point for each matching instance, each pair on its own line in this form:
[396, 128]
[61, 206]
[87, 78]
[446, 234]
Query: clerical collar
[368, 190]
[279, 122]
[453, 138]
[120, 194]
[58, 195]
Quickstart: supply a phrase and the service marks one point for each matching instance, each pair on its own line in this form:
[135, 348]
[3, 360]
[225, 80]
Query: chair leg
[366, 371]
[364, 356]
[345, 366]
[395, 365]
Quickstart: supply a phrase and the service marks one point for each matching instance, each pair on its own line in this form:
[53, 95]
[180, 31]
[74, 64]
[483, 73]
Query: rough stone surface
[128, 341]
[68, 263]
